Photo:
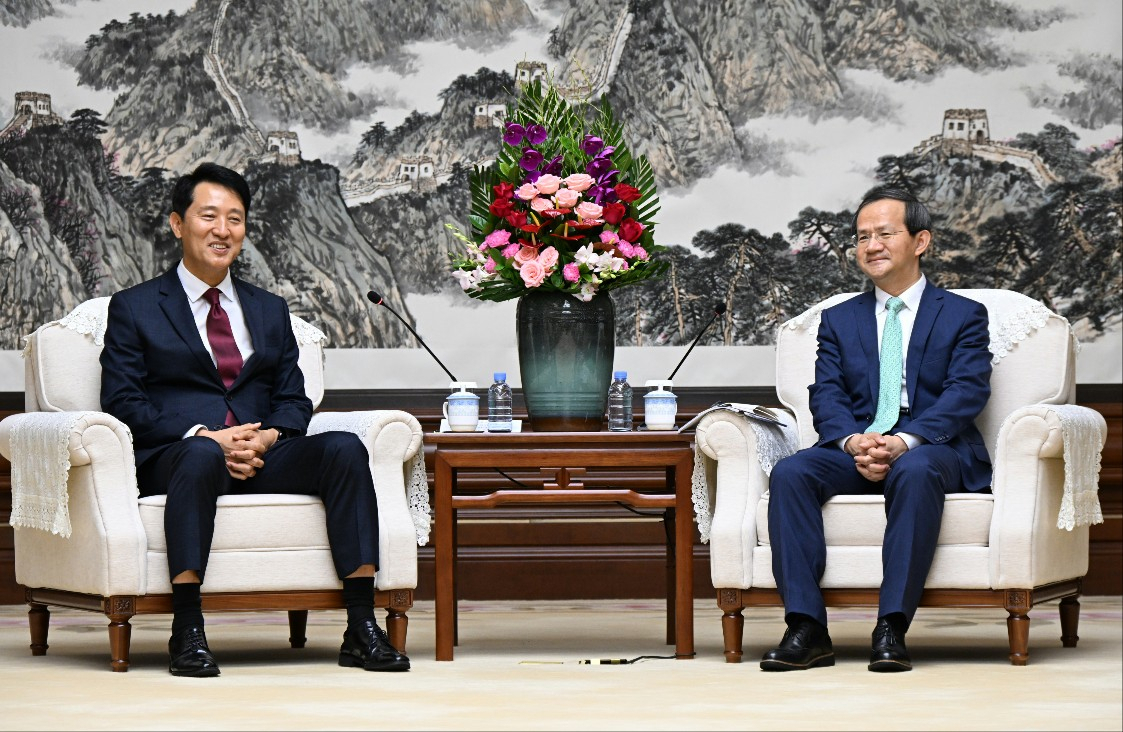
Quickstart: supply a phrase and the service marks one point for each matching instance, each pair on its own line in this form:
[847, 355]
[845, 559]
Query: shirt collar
[911, 296]
[196, 288]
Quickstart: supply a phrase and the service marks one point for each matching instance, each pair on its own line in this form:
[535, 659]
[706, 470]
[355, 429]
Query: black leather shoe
[366, 645]
[190, 655]
[889, 653]
[805, 645]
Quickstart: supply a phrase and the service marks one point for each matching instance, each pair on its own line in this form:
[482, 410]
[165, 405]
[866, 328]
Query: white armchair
[83, 538]
[1005, 549]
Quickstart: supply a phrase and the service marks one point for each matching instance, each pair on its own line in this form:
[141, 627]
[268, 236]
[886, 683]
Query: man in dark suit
[203, 369]
[900, 376]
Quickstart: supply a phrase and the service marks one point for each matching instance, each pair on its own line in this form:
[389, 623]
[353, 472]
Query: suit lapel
[255, 323]
[930, 304]
[178, 312]
[867, 336]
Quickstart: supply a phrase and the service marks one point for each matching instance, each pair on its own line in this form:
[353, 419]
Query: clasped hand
[874, 453]
[244, 446]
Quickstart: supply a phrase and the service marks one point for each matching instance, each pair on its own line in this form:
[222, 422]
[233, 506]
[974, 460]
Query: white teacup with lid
[462, 407]
[660, 406]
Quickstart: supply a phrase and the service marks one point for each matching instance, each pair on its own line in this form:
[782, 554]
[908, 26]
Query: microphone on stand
[375, 298]
[719, 310]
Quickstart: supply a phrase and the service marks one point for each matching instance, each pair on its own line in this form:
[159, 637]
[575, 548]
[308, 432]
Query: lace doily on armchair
[1080, 502]
[417, 482]
[773, 444]
[1008, 331]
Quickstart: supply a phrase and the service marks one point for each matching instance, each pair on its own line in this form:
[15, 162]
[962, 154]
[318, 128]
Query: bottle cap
[620, 375]
[500, 376]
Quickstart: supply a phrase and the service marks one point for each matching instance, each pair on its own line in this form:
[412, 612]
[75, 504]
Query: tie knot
[893, 304]
[211, 296]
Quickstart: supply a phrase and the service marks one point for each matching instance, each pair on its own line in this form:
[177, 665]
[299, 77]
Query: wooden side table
[565, 456]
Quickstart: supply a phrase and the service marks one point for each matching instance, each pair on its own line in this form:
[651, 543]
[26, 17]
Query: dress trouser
[914, 504]
[331, 465]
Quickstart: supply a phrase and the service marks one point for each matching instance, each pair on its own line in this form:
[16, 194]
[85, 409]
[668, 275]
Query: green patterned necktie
[889, 395]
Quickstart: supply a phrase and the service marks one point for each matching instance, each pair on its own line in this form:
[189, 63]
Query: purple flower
[513, 134]
[598, 167]
[554, 166]
[592, 145]
[531, 175]
[607, 152]
[531, 159]
[595, 194]
[607, 180]
[536, 134]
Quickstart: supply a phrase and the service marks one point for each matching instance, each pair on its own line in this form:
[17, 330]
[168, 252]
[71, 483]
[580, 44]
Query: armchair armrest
[105, 552]
[393, 440]
[737, 478]
[1027, 547]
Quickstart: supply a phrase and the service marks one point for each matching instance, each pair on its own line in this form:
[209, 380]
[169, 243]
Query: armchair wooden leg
[38, 620]
[732, 623]
[1017, 626]
[298, 626]
[1070, 618]
[119, 611]
[397, 623]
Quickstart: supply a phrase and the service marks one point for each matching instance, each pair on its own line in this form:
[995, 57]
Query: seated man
[894, 419]
[203, 369]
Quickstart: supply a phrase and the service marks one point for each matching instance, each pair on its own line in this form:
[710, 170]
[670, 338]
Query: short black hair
[917, 217]
[184, 192]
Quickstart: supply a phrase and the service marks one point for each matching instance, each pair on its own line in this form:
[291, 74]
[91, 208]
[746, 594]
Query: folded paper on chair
[752, 411]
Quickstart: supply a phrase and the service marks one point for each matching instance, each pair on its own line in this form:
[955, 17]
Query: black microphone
[719, 310]
[375, 298]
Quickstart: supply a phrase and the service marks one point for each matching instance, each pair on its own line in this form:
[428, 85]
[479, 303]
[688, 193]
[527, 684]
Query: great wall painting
[764, 123]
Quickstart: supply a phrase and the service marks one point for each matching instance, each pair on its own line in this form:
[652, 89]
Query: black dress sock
[187, 606]
[358, 597]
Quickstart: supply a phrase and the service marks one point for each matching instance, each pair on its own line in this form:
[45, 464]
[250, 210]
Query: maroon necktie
[225, 348]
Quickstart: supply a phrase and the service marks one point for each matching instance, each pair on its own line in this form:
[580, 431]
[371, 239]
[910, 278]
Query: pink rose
[532, 273]
[511, 249]
[579, 182]
[526, 191]
[548, 258]
[525, 254]
[587, 210]
[571, 272]
[497, 239]
[548, 184]
[538, 205]
[567, 198]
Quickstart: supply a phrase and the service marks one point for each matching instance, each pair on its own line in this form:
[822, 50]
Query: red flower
[614, 212]
[501, 207]
[504, 190]
[517, 219]
[627, 193]
[630, 230]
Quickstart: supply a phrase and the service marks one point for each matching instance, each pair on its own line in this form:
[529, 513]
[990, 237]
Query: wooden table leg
[669, 564]
[443, 557]
[684, 559]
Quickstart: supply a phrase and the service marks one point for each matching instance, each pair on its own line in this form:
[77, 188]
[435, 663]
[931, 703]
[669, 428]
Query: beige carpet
[516, 668]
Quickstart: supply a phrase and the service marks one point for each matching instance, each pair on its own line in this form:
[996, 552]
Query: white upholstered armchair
[1025, 543]
[83, 538]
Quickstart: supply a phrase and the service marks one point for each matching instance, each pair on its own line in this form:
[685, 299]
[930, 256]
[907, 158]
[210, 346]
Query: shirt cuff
[910, 440]
[194, 430]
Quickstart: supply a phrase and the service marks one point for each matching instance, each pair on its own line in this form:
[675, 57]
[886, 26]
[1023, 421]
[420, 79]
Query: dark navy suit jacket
[947, 371]
[158, 378]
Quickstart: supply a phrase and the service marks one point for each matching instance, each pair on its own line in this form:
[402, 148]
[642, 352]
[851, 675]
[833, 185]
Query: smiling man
[900, 375]
[203, 369]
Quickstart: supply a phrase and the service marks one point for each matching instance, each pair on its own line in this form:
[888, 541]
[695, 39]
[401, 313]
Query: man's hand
[244, 447]
[874, 453]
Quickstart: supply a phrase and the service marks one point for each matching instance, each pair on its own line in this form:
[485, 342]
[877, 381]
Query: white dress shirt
[200, 308]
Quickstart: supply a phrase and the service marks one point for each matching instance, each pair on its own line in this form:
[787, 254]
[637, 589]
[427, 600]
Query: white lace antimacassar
[417, 482]
[1080, 502]
[90, 318]
[773, 444]
[40, 467]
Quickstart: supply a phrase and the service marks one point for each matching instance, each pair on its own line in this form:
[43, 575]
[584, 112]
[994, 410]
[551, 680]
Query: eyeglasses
[881, 236]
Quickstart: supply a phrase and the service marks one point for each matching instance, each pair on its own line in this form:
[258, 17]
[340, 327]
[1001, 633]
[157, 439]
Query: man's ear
[176, 222]
[923, 239]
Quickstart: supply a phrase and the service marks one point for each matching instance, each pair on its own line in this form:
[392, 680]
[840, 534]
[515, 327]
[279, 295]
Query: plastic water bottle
[620, 403]
[499, 404]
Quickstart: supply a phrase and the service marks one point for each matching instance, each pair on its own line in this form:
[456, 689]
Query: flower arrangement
[564, 208]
